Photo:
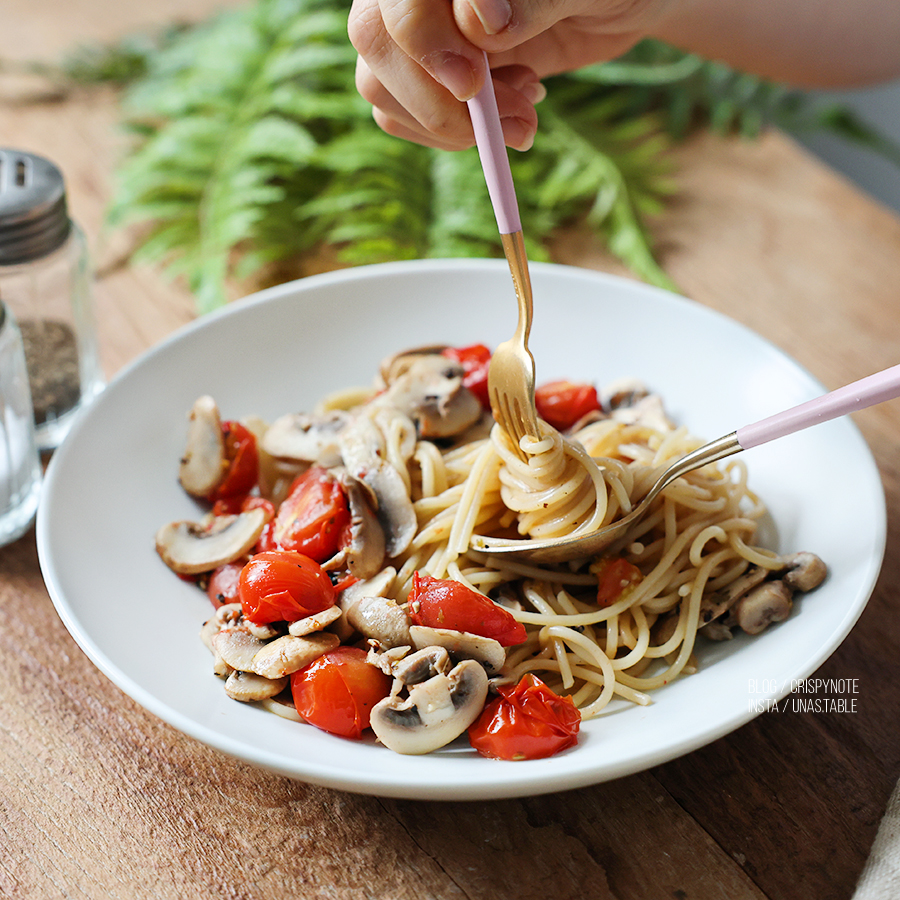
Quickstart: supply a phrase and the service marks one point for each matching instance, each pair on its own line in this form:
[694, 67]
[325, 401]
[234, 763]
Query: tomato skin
[314, 518]
[337, 691]
[562, 403]
[442, 603]
[283, 586]
[526, 721]
[616, 577]
[475, 360]
[243, 462]
[225, 584]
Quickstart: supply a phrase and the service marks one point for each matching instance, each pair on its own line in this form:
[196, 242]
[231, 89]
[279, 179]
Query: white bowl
[114, 481]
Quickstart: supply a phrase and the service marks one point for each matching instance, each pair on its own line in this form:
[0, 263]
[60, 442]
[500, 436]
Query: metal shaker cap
[34, 219]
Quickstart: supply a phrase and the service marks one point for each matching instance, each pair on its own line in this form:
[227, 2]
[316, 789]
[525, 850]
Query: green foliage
[252, 146]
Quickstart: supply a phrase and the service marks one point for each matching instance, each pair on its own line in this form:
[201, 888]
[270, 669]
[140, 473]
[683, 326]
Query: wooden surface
[100, 799]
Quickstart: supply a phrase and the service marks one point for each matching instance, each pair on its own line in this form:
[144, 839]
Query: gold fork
[511, 372]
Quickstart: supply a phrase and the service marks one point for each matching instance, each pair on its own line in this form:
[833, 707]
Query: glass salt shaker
[45, 281]
[20, 466]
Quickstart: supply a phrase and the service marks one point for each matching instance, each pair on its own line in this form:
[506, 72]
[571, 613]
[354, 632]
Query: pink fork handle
[494, 158]
[861, 394]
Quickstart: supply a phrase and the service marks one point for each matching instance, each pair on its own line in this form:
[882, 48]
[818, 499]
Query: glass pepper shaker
[45, 281]
[20, 466]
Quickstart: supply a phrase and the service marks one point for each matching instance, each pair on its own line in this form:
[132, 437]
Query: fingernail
[454, 72]
[534, 92]
[517, 133]
[494, 15]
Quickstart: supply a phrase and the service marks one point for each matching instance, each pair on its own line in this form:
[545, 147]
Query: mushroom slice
[247, 687]
[392, 367]
[805, 571]
[316, 622]
[431, 392]
[289, 654]
[237, 648]
[361, 450]
[436, 712]
[461, 645]
[365, 554]
[768, 603]
[310, 438]
[204, 463]
[191, 547]
[382, 620]
[714, 605]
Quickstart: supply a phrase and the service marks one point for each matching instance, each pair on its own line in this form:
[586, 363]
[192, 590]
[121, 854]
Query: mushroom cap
[768, 603]
[436, 711]
[361, 450]
[381, 619]
[307, 438]
[431, 392]
[191, 547]
[461, 645]
[203, 464]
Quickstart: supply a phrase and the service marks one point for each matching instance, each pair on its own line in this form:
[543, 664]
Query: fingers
[515, 87]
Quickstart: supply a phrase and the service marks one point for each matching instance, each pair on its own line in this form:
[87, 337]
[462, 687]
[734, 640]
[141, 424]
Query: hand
[420, 59]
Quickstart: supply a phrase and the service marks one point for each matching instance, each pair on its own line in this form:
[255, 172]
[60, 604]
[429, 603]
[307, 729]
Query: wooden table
[100, 799]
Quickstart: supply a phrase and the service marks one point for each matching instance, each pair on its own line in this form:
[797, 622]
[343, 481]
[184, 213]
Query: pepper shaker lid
[34, 219]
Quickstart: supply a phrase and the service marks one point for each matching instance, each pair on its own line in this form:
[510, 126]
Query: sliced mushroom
[247, 687]
[805, 571]
[308, 438]
[364, 556]
[203, 464]
[436, 711]
[361, 450]
[377, 586]
[317, 622]
[237, 648]
[768, 603]
[714, 605]
[431, 392]
[392, 367]
[797, 572]
[192, 547]
[382, 620]
[648, 412]
[461, 645]
[289, 654]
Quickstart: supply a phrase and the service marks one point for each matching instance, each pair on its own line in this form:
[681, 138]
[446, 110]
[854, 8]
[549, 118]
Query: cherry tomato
[616, 577]
[475, 360]
[563, 403]
[283, 586]
[337, 691]
[314, 518]
[243, 462]
[527, 721]
[442, 603]
[225, 584]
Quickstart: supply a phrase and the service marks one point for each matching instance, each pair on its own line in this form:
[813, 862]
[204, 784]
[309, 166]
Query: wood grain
[100, 799]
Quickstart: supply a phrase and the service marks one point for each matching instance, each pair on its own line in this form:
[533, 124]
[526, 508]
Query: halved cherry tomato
[563, 403]
[337, 691]
[283, 586]
[225, 584]
[243, 462]
[527, 721]
[616, 578]
[443, 603]
[475, 360]
[314, 518]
